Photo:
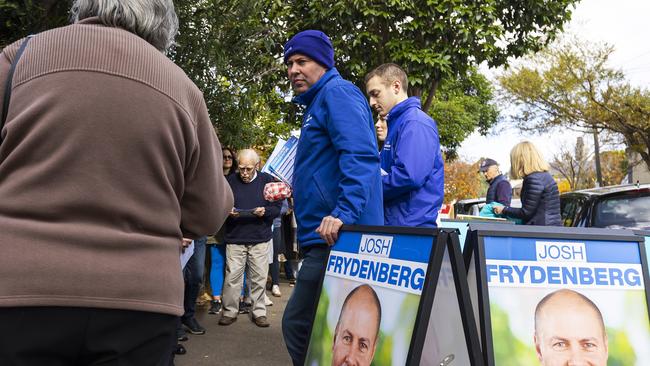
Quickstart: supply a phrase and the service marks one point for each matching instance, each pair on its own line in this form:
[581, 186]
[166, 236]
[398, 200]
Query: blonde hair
[526, 159]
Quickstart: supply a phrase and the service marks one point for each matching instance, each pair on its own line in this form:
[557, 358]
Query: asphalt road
[242, 343]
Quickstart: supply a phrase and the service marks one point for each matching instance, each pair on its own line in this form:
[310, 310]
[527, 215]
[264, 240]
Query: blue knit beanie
[312, 43]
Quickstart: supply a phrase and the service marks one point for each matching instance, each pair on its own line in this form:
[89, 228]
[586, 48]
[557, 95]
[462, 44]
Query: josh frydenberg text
[562, 264]
[372, 264]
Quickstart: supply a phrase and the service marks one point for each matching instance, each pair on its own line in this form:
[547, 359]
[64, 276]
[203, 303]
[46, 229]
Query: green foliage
[463, 105]
[570, 85]
[320, 344]
[621, 352]
[21, 18]
[438, 42]
[509, 350]
[432, 39]
[230, 49]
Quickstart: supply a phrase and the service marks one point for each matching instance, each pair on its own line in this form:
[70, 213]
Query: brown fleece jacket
[109, 159]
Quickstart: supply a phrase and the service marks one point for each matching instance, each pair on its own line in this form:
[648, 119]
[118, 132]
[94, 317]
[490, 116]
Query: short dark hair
[388, 73]
[580, 296]
[375, 299]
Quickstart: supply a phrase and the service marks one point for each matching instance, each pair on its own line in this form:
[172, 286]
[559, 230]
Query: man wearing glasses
[248, 235]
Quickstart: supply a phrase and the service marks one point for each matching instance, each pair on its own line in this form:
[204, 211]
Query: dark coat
[500, 191]
[540, 201]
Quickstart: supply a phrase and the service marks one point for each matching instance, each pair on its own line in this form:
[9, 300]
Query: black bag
[7, 98]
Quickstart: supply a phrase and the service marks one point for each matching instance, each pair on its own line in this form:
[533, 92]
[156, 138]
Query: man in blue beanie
[337, 176]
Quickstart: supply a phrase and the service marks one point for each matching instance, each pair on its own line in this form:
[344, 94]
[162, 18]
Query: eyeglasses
[246, 169]
[227, 157]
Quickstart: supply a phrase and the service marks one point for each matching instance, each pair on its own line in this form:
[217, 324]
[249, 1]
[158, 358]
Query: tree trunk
[431, 93]
[599, 174]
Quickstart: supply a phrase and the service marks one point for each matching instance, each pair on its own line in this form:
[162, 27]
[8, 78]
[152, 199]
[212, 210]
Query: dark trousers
[193, 275]
[299, 313]
[69, 336]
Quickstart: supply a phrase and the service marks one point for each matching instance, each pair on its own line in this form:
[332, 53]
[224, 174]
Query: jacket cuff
[339, 214]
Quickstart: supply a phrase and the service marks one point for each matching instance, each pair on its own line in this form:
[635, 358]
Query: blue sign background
[523, 249]
[414, 248]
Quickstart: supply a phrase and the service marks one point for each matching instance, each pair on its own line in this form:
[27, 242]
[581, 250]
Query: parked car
[470, 206]
[473, 206]
[616, 207]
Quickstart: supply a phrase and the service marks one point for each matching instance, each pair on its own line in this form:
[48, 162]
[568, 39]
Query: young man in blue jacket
[336, 175]
[411, 160]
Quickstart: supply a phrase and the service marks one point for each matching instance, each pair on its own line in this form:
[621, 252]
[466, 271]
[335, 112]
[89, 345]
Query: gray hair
[152, 20]
[248, 154]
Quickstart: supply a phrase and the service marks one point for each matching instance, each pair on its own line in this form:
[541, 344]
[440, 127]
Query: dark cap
[485, 164]
[312, 43]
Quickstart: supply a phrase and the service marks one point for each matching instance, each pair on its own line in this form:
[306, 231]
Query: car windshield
[624, 212]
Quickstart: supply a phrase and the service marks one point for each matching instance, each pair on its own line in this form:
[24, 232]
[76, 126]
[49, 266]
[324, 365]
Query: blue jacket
[540, 201]
[414, 186]
[336, 169]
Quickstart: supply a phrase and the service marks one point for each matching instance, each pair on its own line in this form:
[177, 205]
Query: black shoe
[261, 322]
[180, 335]
[226, 320]
[193, 326]
[215, 307]
[244, 307]
[179, 350]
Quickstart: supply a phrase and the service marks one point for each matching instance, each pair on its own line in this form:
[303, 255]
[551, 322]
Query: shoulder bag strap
[7, 97]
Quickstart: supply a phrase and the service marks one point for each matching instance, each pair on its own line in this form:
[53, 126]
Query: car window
[579, 217]
[568, 206]
[624, 212]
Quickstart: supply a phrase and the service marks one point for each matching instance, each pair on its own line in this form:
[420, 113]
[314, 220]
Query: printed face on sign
[569, 330]
[357, 329]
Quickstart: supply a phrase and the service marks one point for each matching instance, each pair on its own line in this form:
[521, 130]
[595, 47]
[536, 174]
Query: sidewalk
[241, 343]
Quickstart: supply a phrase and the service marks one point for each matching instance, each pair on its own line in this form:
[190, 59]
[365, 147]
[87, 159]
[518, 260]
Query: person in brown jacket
[108, 160]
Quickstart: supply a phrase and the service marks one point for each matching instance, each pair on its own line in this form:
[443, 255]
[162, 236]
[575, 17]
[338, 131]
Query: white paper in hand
[187, 254]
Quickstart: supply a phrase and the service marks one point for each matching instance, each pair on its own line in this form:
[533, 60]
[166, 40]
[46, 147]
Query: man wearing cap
[413, 184]
[500, 189]
[336, 175]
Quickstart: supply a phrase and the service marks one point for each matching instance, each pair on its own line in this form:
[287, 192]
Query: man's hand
[185, 243]
[259, 211]
[234, 213]
[498, 209]
[329, 229]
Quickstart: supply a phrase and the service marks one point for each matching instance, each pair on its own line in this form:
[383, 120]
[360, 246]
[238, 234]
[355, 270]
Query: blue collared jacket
[336, 169]
[414, 186]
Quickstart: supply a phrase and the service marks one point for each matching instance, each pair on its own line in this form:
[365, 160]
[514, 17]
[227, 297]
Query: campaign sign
[462, 226]
[451, 337]
[646, 235]
[376, 297]
[562, 296]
